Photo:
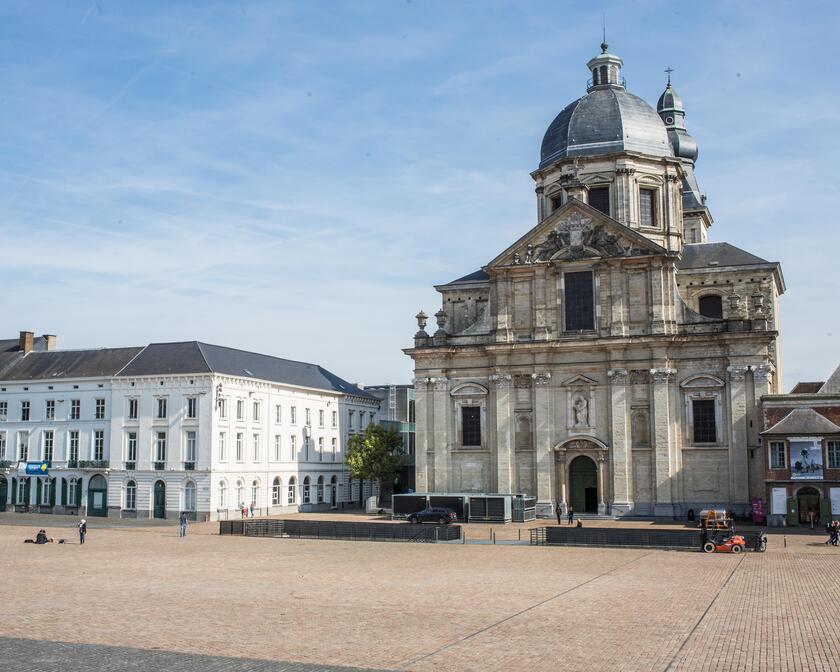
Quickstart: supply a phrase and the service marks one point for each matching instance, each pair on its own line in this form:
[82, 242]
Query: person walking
[559, 512]
[82, 531]
[182, 525]
[570, 516]
[811, 517]
[252, 509]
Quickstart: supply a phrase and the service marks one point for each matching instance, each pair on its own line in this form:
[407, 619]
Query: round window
[669, 120]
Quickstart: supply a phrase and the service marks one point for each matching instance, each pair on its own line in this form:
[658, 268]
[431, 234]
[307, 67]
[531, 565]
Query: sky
[294, 177]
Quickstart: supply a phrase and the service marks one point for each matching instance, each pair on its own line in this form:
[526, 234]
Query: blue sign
[37, 468]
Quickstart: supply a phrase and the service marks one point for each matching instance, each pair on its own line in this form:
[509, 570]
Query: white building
[152, 431]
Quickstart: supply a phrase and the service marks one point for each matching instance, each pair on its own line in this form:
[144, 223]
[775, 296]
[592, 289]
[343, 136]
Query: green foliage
[376, 454]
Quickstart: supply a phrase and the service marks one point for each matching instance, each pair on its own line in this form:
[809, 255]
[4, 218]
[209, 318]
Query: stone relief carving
[522, 382]
[639, 377]
[541, 379]
[501, 380]
[440, 383]
[661, 376]
[763, 372]
[737, 373]
[618, 376]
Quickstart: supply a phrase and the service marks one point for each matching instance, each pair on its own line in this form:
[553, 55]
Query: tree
[377, 455]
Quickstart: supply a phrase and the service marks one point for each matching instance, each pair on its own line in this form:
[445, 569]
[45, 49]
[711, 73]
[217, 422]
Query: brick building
[801, 441]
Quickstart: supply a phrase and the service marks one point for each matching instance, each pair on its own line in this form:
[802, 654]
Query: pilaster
[422, 464]
[738, 470]
[622, 468]
[663, 450]
[543, 427]
[441, 435]
[504, 431]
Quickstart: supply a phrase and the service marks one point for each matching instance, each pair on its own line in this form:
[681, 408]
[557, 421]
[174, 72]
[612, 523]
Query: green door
[4, 492]
[97, 496]
[583, 485]
[793, 511]
[160, 500]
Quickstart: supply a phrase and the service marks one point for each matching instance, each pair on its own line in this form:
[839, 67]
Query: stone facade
[601, 417]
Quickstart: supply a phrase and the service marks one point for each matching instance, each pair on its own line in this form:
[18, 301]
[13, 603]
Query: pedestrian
[244, 511]
[252, 509]
[182, 525]
[559, 512]
[811, 517]
[82, 531]
[834, 533]
[570, 516]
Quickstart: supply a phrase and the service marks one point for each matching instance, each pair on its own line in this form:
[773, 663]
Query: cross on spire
[669, 70]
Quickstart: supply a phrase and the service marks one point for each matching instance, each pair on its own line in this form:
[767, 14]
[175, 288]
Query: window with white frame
[240, 409]
[255, 493]
[704, 420]
[24, 411]
[292, 494]
[73, 446]
[98, 444]
[72, 491]
[256, 414]
[278, 414]
[222, 495]
[240, 492]
[306, 493]
[256, 446]
[240, 448]
[2, 445]
[49, 443]
[703, 409]
[351, 418]
[308, 418]
[46, 491]
[75, 409]
[293, 415]
[277, 450]
[834, 454]
[131, 450]
[334, 419]
[320, 418]
[333, 445]
[192, 408]
[292, 448]
[23, 446]
[160, 406]
[23, 486]
[131, 496]
[99, 410]
[777, 455]
[222, 446]
[133, 408]
[361, 419]
[320, 490]
[189, 458]
[222, 408]
[277, 492]
[4, 411]
[321, 449]
[647, 207]
[189, 497]
[160, 446]
[49, 411]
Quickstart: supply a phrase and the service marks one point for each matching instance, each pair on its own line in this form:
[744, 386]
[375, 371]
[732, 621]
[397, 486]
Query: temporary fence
[342, 530]
[613, 537]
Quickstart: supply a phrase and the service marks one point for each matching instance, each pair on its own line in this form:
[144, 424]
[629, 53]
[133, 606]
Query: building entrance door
[808, 500]
[160, 500]
[583, 485]
[4, 492]
[97, 496]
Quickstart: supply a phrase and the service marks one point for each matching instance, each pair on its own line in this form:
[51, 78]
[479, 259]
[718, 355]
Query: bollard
[785, 538]
[463, 537]
[494, 538]
[520, 534]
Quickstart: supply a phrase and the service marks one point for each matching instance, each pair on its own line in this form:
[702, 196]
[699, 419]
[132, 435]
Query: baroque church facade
[611, 359]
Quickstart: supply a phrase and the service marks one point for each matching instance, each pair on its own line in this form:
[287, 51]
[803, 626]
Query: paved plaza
[138, 598]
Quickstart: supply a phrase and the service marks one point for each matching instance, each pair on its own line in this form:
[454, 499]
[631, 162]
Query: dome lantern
[606, 70]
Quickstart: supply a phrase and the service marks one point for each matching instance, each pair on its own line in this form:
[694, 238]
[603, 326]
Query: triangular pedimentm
[576, 231]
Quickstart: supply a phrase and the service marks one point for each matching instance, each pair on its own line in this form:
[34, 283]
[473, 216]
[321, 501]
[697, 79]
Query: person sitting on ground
[579, 523]
[41, 537]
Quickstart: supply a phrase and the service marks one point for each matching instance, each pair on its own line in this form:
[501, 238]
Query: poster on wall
[778, 504]
[806, 459]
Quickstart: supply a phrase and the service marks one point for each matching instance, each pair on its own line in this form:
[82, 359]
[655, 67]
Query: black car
[434, 514]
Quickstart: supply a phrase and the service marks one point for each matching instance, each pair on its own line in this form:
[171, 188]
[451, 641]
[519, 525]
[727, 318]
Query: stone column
[602, 483]
[422, 477]
[542, 444]
[442, 410]
[739, 477]
[622, 468]
[663, 451]
[504, 432]
[618, 308]
[560, 466]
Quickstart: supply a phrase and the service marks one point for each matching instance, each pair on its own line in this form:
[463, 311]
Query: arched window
[320, 490]
[276, 491]
[240, 493]
[292, 494]
[73, 492]
[189, 496]
[222, 495]
[306, 496]
[131, 496]
[255, 492]
[711, 305]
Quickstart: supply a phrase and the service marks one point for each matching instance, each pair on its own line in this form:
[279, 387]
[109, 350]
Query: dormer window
[556, 202]
[711, 306]
[599, 198]
[647, 207]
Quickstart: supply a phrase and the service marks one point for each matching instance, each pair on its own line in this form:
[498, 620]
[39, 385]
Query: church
[611, 359]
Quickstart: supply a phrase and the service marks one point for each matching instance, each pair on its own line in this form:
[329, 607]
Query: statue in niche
[580, 411]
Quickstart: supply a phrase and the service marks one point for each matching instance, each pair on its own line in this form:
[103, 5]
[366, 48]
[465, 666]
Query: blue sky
[292, 178]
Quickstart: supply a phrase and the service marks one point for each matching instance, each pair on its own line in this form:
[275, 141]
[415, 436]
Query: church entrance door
[583, 485]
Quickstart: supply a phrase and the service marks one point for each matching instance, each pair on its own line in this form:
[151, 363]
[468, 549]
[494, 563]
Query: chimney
[25, 342]
[51, 340]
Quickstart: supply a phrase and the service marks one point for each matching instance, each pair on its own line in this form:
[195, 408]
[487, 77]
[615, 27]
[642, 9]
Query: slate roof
[195, 357]
[476, 276]
[803, 421]
[832, 385]
[807, 388]
[70, 364]
[703, 255]
[39, 343]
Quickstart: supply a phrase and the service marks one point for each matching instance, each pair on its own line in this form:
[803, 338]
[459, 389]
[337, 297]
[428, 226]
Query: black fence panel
[230, 526]
[328, 529]
[612, 537]
[405, 504]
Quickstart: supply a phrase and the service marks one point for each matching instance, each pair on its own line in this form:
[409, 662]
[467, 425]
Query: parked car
[434, 514]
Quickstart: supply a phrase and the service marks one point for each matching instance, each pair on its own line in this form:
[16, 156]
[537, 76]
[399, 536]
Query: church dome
[607, 119]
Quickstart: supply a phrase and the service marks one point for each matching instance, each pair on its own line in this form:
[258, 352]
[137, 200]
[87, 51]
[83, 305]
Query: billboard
[806, 458]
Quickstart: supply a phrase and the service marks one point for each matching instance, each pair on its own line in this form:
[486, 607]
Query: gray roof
[194, 357]
[803, 421]
[475, 276]
[602, 122]
[70, 364]
[832, 385]
[39, 343]
[704, 255]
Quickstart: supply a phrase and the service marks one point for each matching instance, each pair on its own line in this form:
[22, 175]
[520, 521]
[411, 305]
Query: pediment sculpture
[577, 238]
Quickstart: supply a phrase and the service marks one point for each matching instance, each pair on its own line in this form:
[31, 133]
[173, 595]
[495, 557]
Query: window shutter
[793, 511]
[14, 492]
[52, 491]
[63, 492]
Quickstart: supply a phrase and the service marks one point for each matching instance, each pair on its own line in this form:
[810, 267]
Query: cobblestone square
[140, 598]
